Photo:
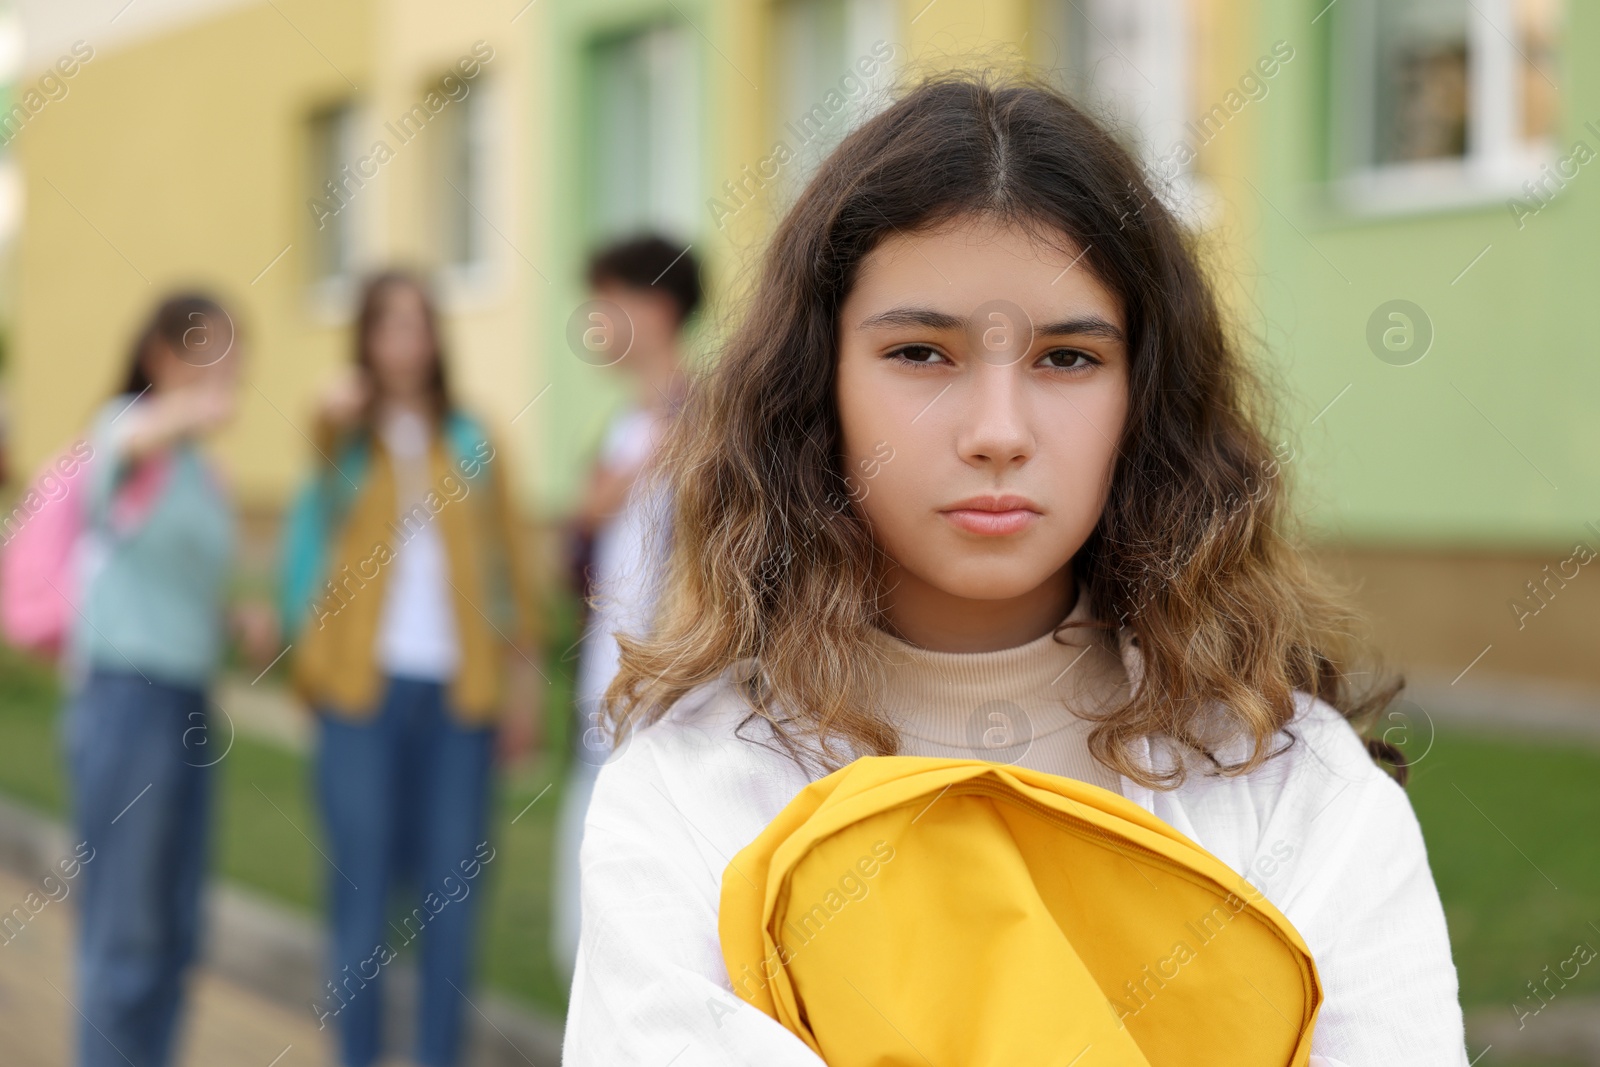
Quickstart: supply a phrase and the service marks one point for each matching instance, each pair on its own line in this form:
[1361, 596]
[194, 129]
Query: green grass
[263, 808]
[30, 744]
[1510, 825]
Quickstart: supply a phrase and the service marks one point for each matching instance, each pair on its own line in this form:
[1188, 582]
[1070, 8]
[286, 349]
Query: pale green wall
[1403, 456]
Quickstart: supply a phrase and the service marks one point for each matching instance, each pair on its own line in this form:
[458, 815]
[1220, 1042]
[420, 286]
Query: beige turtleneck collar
[1014, 706]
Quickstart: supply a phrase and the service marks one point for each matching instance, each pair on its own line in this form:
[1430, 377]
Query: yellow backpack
[962, 913]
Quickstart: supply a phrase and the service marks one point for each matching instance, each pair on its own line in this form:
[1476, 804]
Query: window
[333, 191]
[1438, 102]
[833, 64]
[462, 169]
[1129, 63]
[1128, 59]
[1419, 83]
[644, 138]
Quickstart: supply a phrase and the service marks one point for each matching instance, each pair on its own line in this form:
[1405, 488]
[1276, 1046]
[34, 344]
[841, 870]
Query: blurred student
[644, 291]
[406, 589]
[149, 635]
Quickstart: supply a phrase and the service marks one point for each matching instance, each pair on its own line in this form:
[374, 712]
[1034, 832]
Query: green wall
[582, 396]
[1491, 440]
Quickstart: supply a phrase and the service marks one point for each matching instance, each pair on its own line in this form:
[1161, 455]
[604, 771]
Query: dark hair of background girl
[184, 322]
[1190, 554]
[374, 295]
[650, 260]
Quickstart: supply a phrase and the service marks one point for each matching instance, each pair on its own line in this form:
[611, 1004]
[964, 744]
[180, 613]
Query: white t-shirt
[417, 627]
[1324, 833]
[629, 553]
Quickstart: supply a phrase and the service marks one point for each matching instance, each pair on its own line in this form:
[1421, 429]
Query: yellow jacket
[908, 910]
[336, 567]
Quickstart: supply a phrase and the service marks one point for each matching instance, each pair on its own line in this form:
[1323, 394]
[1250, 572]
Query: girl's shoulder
[1320, 733]
[709, 766]
[107, 421]
[1320, 750]
[464, 431]
[713, 725]
[1317, 794]
[1318, 740]
[630, 436]
[111, 408]
[1328, 767]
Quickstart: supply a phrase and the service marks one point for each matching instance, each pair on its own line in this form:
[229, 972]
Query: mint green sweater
[152, 592]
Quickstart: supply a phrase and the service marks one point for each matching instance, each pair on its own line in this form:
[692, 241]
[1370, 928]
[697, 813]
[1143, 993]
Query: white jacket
[1323, 832]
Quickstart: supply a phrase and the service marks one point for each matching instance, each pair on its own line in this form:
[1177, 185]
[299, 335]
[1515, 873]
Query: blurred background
[1399, 199]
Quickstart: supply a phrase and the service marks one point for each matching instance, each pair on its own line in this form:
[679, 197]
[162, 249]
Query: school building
[1396, 195]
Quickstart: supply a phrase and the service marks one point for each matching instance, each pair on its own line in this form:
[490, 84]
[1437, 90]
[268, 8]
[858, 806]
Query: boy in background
[644, 290]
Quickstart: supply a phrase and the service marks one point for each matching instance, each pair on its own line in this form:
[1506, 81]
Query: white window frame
[463, 283]
[332, 296]
[1154, 95]
[12, 186]
[804, 76]
[667, 145]
[1498, 158]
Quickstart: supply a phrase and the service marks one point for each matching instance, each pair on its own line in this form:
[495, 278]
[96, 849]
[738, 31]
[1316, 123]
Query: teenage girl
[406, 591]
[980, 476]
[149, 635]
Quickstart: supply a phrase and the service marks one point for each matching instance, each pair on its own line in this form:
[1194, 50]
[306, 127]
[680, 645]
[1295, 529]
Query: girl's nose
[995, 421]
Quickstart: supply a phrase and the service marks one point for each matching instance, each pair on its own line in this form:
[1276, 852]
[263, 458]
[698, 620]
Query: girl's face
[982, 390]
[207, 356]
[649, 328]
[401, 344]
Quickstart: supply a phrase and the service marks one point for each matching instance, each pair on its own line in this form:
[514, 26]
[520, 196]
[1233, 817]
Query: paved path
[1525, 707]
[1565, 1031]
[227, 1025]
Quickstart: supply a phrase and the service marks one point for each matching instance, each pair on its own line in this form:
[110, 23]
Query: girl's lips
[991, 523]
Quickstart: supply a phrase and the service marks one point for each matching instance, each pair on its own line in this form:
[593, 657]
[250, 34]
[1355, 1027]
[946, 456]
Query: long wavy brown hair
[1192, 553]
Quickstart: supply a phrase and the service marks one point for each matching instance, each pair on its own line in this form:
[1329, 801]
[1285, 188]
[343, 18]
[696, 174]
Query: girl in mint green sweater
[150, 622]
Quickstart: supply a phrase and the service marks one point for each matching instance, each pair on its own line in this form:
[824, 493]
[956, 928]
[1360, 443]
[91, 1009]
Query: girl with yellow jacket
[406, 597]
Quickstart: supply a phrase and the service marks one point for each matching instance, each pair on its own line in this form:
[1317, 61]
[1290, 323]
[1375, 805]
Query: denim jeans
[404, 798]
[138, 757]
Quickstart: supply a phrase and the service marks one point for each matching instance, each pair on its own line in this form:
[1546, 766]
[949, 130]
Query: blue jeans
[139, 764]
[405, 800]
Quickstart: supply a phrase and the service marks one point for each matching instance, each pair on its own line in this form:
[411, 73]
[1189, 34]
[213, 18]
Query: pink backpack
[41, 537]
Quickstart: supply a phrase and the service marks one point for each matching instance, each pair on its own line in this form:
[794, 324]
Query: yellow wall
[176, 162]
[181, 160]
[490, 326]
[959, 32]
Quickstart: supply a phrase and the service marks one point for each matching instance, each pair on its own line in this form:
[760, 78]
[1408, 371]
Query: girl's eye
[921, 355]
[1057, 358]
[1068, 359]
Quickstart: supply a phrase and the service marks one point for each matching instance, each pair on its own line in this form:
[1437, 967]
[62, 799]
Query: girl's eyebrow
[913, 316]
[1093, 325]
[928, 318]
